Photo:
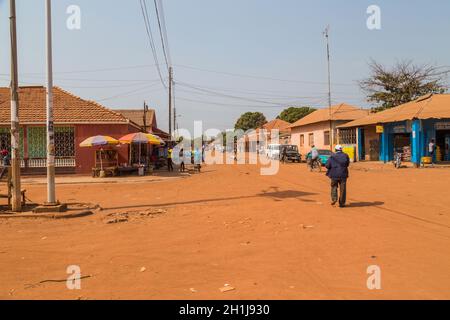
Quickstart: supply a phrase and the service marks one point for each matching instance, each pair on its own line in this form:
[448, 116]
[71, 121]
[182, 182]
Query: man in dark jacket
[337, 167]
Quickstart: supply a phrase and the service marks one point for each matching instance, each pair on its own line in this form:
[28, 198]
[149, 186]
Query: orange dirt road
[269, 237]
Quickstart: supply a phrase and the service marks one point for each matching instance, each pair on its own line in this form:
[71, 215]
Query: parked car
[273, 151]
[292, 153]
[324, 155]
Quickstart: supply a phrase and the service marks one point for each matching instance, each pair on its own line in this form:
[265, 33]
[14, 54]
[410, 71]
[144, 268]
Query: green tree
[250, 120]
[293, 114]
[403, 83]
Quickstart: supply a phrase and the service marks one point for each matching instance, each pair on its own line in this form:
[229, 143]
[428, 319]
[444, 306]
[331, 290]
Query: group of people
[195, 155]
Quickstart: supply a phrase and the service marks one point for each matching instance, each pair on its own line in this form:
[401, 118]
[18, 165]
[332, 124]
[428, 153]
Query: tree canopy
[402, 83]
[250, 120]
[293, 114]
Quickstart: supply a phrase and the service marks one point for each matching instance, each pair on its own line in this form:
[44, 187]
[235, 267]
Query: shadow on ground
[277, 195]
[365, 204]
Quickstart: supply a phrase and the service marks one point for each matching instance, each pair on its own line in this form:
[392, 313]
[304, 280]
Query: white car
[273, 151]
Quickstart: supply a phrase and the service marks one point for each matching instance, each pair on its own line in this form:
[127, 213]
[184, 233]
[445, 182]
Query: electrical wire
[163, 33]
[148, 29]
[261, 77]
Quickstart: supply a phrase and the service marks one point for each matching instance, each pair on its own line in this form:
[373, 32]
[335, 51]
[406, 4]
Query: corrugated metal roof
[436, 106]
[137, 116]
[341, 112]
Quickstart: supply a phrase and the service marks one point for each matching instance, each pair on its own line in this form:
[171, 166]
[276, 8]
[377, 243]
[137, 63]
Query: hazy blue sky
[264, 38]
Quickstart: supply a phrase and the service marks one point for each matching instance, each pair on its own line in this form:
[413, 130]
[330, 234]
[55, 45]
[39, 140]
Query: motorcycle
[398, 160]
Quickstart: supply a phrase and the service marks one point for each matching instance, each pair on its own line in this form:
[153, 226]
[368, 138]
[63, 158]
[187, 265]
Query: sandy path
[230, 225]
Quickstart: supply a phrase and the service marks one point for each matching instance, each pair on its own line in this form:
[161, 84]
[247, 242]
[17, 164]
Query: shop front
[412, 139]
[439, 131]
[396, 138]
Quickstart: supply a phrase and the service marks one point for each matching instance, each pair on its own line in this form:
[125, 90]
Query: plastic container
[427, 160]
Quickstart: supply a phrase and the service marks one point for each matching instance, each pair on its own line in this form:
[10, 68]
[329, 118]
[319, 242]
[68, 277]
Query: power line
[210, 92]
[261, 77]
[88, 70]
[148, 29]
[239, 105]
[163, 33]
[128, 93]
[93, 80]
[259, 93]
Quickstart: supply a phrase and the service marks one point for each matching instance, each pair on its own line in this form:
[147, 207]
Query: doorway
[442, 144]
[402, 144]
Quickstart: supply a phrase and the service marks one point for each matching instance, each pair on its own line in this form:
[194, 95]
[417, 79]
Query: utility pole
[170, 100]
[145, 116]
[327, 38]
[51, 193]
[174, 109]
[15, 156]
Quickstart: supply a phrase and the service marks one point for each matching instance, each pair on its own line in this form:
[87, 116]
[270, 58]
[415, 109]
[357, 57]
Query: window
[326, 138]
[64, 142]
[302, 140]
[5, 140]
[311, 139]
[37, 142]
[347, 136]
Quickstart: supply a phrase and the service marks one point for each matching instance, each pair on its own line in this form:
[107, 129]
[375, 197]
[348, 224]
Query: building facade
[320, 128]
[407, 129]
[75, 120]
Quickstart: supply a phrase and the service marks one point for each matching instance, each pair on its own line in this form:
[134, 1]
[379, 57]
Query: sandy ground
[271, 237]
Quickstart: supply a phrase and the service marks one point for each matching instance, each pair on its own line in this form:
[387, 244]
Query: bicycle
[315, 165]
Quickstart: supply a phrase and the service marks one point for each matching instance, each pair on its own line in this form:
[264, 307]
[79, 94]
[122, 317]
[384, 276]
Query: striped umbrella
[142, 138]
[98, 141]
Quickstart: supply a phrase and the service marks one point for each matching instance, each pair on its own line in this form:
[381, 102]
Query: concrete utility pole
[15, 137]
[170, 100]
[51, 193]
[327, 38]
[174, 109]
[145, 116]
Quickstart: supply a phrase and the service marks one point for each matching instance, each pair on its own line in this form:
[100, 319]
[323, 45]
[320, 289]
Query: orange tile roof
[278, 124]
[341, 112]
[435, 106]
[68, 108]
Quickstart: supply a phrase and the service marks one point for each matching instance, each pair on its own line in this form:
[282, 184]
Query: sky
[229, 57]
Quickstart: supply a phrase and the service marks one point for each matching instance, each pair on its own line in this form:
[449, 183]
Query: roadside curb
[135, 181]
[53, 216]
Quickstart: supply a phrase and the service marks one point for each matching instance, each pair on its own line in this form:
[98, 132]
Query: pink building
[320, 128]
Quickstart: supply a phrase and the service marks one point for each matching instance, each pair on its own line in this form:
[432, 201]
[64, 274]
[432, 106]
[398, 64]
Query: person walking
[284, 154]
[337, 167]
[432, 150]
[6, 159]
[182, 165]
[169, 159]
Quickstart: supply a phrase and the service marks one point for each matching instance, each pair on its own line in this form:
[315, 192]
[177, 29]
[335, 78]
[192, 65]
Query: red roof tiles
[68, 108]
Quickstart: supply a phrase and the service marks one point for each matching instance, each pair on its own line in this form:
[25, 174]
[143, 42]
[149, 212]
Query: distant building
[320, 128]
[262, 137]
[147, 123]
[408, 128]
[283, 127]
